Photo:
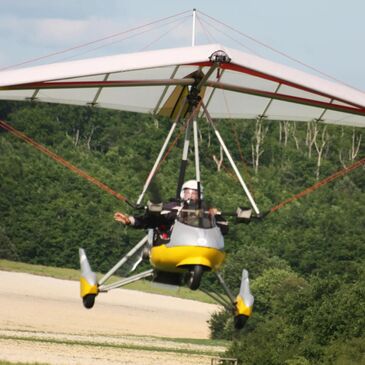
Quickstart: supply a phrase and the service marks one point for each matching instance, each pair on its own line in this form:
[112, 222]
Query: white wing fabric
[246, 86]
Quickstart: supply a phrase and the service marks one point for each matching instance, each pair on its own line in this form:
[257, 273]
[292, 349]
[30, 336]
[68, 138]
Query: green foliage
[348, 352]
[306, 261]
[220, 324]
[297, 360]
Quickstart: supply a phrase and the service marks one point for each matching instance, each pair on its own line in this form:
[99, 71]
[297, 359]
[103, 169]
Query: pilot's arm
[133, 221]
[150, 219]
[143, 221]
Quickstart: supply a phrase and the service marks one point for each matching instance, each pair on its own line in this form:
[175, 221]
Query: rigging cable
[219, 30]
[63, 162]
[83, 45]
[278, 51]
[325, 181]
[208, 35]
[130, 36]
[76, 170]
[182, 20]
[245, 168]
[119, 196]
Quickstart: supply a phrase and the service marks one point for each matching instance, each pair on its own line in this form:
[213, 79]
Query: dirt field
[42, 320]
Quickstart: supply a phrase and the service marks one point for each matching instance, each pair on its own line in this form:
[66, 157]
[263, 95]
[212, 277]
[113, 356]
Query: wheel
[195, 275]
[240, 321]
[89, 300]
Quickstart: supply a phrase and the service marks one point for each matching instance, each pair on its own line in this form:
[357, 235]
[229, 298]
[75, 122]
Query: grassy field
[209, 349]
[71, 274]
[150, 344]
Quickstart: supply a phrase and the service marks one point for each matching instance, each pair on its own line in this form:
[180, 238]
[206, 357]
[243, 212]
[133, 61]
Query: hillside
[306, 260]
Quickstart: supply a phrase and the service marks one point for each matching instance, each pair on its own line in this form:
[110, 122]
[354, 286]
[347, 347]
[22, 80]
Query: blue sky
[328, 35]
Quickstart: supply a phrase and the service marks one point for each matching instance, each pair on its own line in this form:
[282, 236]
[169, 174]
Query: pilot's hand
[120, 217]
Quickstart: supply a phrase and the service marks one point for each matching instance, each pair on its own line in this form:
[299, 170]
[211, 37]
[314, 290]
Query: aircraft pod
[196, 245]
[195, 240]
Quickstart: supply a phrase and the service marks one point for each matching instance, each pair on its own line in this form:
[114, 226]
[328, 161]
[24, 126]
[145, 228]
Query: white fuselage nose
[185, 235]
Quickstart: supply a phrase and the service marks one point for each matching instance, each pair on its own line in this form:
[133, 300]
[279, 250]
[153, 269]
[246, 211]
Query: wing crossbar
[98, 84]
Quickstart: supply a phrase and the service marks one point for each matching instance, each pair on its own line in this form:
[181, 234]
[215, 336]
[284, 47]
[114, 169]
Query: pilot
[163, 221]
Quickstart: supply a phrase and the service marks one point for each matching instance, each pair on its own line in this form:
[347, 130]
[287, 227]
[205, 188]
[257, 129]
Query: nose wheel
[194, 276]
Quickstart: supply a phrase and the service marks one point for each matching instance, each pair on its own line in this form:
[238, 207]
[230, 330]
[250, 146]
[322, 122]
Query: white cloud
[47, 35]
[27, 38]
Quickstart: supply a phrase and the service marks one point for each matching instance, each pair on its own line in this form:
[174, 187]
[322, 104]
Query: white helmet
[193, 185]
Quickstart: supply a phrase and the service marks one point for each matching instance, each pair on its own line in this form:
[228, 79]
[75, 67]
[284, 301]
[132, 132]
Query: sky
[326, 34]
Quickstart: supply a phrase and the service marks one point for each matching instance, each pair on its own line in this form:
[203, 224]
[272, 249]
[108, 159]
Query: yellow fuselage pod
[173, 259]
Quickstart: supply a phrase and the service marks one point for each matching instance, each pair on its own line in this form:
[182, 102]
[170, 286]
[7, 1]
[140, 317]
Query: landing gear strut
[241, 305]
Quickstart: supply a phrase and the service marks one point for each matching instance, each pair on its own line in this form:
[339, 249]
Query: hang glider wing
[232, 84]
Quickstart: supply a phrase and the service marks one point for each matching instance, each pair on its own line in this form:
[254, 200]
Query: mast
[193, 30]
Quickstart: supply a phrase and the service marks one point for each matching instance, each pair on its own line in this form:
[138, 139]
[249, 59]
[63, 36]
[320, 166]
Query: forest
[306, 260]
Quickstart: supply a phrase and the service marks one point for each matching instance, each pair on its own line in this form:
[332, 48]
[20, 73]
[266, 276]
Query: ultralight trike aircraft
[210, 81]
[195, 243]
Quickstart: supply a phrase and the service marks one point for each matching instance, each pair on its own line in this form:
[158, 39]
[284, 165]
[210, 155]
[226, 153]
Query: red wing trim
[288, 98]
[248, 71]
